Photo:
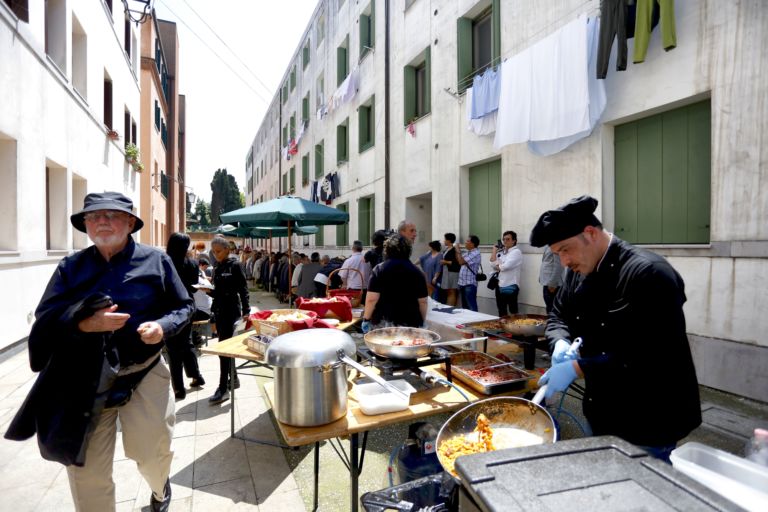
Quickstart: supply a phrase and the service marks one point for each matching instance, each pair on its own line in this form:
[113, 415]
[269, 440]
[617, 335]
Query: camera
[499, 245]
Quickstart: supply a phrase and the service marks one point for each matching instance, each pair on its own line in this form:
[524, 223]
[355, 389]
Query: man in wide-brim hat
[96, 342]
[626, 304]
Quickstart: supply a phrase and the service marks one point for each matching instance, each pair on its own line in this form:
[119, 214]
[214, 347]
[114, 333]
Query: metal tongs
[373, 376]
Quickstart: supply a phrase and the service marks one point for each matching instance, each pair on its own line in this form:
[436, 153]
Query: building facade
[675, 159]
[71, 116]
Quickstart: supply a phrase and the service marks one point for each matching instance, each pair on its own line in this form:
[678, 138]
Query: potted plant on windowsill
[113, 135]
[133, 157]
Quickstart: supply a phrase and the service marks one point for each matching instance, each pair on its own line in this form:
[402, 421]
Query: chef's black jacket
[640, 380]
[62, 407]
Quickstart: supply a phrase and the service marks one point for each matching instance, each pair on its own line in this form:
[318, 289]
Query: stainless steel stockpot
[310, 380]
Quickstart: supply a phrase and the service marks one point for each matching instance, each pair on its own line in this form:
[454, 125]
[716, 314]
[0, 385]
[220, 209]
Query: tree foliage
[225, 195]
[202, 213]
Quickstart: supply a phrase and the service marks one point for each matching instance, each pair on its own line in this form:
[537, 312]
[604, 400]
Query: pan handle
[373, 376]
[458, 342]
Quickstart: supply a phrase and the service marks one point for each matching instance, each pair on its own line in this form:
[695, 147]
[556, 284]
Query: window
[663, 177]
[284, 190]
[79, 190]
[127, 36]
[320, 236]
[292, 127]
[292, 179]
[365, 219]
[342, 61]
[127, 126]
[56, 33]
[485, 201]
[305, 169]
[107, 101]
[285, 135]
[319, 150]
[342, 230]
[320, 30]
[305, 55]
[367, 30]
[79, 58]
[366, 125]
[305, 109]
[109, 4]
[163, 185]
[8, 194]
[157, 115]
[133, 132]
[20, 8]
[285, 91]
[342, 142]
[479, 43]
[320, 92]
[293, 77]
[417, 83]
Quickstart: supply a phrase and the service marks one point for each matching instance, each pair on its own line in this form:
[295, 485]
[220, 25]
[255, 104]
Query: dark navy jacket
[61, 407]
[640, 380]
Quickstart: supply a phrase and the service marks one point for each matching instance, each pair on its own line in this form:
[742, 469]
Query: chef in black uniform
[626, 304]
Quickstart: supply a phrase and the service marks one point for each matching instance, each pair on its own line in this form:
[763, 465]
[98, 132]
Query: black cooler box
[603, 474]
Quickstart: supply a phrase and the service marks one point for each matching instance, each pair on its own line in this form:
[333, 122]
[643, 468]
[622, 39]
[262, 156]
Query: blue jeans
[660, 452]
[469, 296]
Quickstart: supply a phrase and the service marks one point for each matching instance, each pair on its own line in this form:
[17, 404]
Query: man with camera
[507, 260]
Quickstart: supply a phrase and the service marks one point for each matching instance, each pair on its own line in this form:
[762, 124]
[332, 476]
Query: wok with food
[493, 424]
[525, 325]
[406, 342]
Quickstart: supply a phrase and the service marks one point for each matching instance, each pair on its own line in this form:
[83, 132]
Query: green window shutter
[285, 135]
[662, 177]
[305, 55]
[362, 128]
[485, 201]
[372, 22]
[341, 143]
[341, 65]
[305, 108]
[293, 126]
[428, 81]
[320, 236]
[699, 172]
[496, 30]
[410, 94]
[285, 185]
[305, 169]
[319, 160]
[365, 220]
[341, 229]
[372, 123]
[293, 77]
[293, 179]
[464, 52]
[365, 33]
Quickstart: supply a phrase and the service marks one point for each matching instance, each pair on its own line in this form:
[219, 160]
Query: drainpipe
[386, 116]
[280, 154]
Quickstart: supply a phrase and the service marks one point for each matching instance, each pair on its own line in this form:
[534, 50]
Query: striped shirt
[469, 269]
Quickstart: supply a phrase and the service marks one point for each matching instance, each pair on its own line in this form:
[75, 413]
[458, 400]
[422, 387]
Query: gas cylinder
[417, 457]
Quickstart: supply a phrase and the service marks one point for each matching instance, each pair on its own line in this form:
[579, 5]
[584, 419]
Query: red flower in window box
[113, 135]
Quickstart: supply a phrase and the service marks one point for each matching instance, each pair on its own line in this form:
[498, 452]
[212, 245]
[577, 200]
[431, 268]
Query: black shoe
[181, 395]
[156, 505]
[219, 396]
[197, 382]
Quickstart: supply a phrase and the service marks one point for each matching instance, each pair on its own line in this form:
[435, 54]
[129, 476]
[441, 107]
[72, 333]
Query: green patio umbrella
[287, 211]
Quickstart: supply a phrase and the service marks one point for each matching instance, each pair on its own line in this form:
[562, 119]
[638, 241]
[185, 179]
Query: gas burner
[390, 365]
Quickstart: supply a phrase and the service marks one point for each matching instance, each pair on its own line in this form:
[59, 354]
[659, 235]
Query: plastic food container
[740, 480]
[374, 399]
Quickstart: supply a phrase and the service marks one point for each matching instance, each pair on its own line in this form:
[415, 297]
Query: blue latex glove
[365, 326]
[562, 354]
[559, 377]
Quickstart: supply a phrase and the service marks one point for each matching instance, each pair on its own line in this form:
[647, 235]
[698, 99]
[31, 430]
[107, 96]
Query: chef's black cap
[564, 222]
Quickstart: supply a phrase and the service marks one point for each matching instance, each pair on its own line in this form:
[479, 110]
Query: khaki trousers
[146, 422]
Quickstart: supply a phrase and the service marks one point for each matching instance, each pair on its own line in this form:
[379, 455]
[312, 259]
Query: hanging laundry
[313, 195]
[486, 125]
[330, 188]
[544, 93]
[613, 25]
[597, 99]
[293, 148]
[345, 92]
[485, 96]
[644, 25]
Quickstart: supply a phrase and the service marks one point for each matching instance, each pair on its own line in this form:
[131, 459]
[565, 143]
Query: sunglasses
[108, 215]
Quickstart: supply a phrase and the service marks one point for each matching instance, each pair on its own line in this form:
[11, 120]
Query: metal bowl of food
[401, 342]
[525, 325]
[493, 424]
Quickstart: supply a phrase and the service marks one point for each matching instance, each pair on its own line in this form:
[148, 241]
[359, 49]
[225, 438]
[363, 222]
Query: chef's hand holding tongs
[563, 372]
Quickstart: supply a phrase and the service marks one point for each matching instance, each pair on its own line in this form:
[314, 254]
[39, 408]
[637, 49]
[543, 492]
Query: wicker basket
[354, 296]
[272, 328]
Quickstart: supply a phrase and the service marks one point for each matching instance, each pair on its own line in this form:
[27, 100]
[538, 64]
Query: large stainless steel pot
[310, 380]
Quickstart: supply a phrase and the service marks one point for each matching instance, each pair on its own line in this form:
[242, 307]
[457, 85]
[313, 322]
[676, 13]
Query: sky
[225, 106]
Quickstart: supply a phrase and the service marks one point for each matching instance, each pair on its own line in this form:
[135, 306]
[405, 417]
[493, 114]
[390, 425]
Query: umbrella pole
[290, 267]
[269, 284]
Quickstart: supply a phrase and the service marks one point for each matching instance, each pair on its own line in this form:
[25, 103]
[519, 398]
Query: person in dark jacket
[230, 303]
[626, 304]
[180, 349]
[96, 342]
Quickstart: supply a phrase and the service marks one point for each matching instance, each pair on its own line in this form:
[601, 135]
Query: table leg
[317, 476]
[232, 374]
[354, 471]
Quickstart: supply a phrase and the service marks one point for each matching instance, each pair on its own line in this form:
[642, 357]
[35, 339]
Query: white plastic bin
[374, 399]
[739, 480]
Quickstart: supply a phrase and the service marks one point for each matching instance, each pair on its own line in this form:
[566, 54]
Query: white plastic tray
[739, 480]
[374, 399]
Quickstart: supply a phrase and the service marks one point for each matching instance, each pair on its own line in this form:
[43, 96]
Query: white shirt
[509, 263]
[203, 301]
[353, 280]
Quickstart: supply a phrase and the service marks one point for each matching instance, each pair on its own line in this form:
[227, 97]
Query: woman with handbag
[507, 260]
